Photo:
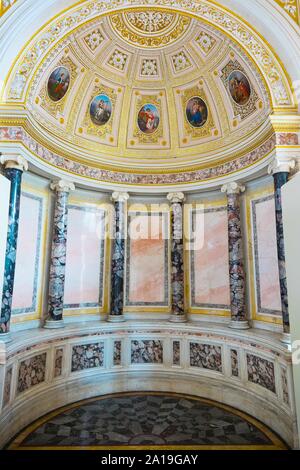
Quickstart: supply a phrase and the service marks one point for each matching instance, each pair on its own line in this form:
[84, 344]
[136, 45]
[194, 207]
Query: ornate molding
[176, 197]
[62, 186]
[119, 197]
[16, 162]
[291, 7]
[281, 166]
[233, 188]
[16, 134]
[250, 41]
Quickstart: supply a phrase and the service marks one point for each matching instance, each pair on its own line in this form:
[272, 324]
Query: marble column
[237, 275]
[118, 258]
[177, 258]
[280, 172]
[14, 166]
[58, 254]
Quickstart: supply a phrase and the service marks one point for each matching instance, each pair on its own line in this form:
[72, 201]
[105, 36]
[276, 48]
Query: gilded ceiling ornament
[205, 42]
[148, 29]
[255, 46]
[290, 6]
[242, 94]
[149, 67]
[180, 61]
[118, 60]
[94, 39]
[150, 21]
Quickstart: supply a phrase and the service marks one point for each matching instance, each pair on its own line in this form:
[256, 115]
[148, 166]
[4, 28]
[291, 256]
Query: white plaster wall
[4, 205]
[291, 218]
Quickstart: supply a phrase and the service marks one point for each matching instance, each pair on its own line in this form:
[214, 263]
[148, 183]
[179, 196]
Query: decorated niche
[240, 90]
[99, 114]
[196, 121]
[148, 120]
[54, 93]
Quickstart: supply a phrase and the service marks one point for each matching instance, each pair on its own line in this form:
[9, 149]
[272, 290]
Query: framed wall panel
[208, 284]
[85, 259]
[147, 261]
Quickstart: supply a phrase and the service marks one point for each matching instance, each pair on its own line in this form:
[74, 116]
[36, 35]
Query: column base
[116, 319]
[54, 324]
[239, 325]
[178, 319]
[5, 338]
[286, 338]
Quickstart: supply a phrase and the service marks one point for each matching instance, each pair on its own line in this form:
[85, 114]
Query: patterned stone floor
[144, 420]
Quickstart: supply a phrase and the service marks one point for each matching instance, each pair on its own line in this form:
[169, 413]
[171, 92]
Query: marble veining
[177, 257]
[206, 356]
[118, 261]
[87, 356]
[19, 284]
[146, 352]
[280, 179]
[7, 386]
[265, 252]
[285, 386]
[176, 353]
[32, 372]
[261, 372]
[15, 177]
[236, 257]
[234, 363]
[58, 257]
[58, 362]
[117, 359]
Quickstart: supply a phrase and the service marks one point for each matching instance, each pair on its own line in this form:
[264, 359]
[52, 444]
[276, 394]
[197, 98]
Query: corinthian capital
[281, 166]
[175, 197]
[62, 186]
[16, 162]
[233, 188]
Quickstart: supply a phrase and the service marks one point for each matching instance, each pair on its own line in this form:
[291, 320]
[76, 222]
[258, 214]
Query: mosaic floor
[146, 420]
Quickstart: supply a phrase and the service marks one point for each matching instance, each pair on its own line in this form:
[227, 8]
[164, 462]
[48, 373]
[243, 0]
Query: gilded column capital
[63, 186]
[176, 197]
[281, 166]
[16, 162]
[119, 197]
[233, 188]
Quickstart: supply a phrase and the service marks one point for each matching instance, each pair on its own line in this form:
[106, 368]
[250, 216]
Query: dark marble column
[14, 167]
[280, 172]
[58, 254]
[237, 275]
[118, 258]
[177, 258]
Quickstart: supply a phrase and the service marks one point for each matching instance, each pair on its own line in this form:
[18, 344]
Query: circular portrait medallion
[239, 87]
[58, 83]
[148, 118]
[196, 112]
[101, 110]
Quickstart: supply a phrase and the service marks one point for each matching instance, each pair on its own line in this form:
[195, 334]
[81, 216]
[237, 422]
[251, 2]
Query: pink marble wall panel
[210, 277]
[84, 257]
[266, 257]
[24, 296]
[146, 268]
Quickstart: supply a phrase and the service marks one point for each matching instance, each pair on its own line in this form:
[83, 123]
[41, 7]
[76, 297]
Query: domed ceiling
[146, 89]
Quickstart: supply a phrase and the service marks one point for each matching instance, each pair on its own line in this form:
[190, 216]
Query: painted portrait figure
[196, 112]
[58, 83]
[239, 87]
[101, 110]
[148, 118]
